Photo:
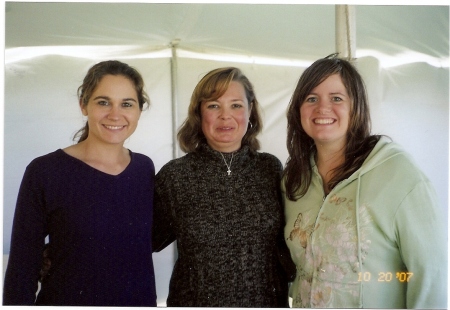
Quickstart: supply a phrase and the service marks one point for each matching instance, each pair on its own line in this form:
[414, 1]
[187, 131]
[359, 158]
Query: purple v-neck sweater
[99, 229]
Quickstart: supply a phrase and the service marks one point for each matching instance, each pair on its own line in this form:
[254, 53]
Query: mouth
[224, 128]
[324, 121]
[116, 127]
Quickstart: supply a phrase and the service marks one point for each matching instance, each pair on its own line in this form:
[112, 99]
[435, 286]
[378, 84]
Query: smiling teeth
[114, 127]
[323, 121]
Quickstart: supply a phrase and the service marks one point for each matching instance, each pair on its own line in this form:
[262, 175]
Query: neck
[330, 152]
[225, 148]
[105, 153]
[328, 158]
[108, 158]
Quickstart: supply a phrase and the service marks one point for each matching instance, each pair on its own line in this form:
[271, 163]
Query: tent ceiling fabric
[289, 31]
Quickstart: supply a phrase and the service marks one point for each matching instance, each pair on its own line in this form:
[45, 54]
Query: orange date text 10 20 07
[386, 276]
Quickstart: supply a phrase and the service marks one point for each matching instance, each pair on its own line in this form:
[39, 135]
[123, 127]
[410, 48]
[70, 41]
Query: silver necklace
[228, 166]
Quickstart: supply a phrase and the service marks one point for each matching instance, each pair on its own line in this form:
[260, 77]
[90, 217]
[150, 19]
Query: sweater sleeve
[422, 236]
[27, 242]
[288, 267]
[163, 234]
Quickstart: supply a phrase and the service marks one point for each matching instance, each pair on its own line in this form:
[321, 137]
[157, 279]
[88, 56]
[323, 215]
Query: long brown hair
[211, 87]
[298, 171]
[93, 78]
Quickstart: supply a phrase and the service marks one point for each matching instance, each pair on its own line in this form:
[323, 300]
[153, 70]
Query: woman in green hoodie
[362, 221]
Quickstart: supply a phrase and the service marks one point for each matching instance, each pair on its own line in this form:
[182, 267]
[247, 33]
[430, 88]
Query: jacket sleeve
[422, 237]
[163, 233]
[27, 243]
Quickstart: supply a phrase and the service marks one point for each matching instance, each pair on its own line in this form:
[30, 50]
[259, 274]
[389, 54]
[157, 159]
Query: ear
[83, 108]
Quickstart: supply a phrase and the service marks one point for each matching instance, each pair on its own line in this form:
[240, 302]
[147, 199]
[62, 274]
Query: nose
[225, 113]
[114, 113]
[323, 106]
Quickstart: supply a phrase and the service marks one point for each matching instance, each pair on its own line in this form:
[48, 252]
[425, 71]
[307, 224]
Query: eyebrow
[338, 93]
[332, 93]
[217, 100]
[108, 98]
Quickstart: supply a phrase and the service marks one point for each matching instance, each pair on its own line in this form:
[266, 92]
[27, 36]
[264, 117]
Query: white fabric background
[42, 114]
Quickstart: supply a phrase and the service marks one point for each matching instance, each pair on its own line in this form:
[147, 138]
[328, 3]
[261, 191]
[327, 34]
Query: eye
[212, 105]
[311, 99]
[102, 102]
[127, 104]
[236, 105]
[336, 99]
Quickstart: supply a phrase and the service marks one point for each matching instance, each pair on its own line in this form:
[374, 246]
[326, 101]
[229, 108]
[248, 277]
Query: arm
[284, 256]
[286, 268]
[163, 233]
[422, 236]
[27, 243]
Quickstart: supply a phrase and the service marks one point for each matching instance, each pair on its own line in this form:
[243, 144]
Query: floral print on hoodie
[340, 238]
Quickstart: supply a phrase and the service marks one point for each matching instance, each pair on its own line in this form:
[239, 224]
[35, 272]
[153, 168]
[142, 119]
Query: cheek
[345, 114]
[136, 118]
[131, 114]
[242, 116]
[92, 114]
[242, 119]
[303, 115]
[207, 119]
[139, 115]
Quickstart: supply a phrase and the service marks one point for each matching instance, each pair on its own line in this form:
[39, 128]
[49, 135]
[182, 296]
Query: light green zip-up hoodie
[377, 240]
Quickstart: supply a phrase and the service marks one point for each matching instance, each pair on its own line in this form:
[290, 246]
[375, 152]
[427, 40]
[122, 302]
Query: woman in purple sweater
[94, 202]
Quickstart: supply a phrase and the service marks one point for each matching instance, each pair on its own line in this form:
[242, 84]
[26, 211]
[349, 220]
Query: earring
[251, 125]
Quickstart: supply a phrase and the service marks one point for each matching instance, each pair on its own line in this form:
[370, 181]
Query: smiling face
[113, 110]
[325, 113]
[225, 120]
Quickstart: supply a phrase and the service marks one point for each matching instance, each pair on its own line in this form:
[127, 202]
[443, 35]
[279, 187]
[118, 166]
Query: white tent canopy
[288, 31]
[402, 52]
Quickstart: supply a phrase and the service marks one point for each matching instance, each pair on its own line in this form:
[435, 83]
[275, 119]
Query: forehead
[115, 84]
[113, 79]
[233, 89]
[331, 83]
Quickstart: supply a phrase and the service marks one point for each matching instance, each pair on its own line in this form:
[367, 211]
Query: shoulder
[387, 155]
[142, 162]
[385, 151]
[268, 159]
[49, 167]
[141, 158]
[175, 165]
[50, 156]
[175, 174]
[50, 159]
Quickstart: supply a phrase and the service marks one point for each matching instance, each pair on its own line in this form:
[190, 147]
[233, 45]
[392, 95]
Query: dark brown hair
[298, 171]
[211, 87]
[93, 78]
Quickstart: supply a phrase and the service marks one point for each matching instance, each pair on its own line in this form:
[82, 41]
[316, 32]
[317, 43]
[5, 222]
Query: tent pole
[345, 31]
[174, 94]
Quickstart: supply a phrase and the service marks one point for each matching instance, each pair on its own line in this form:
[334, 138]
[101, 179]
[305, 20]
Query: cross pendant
[229, 171]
